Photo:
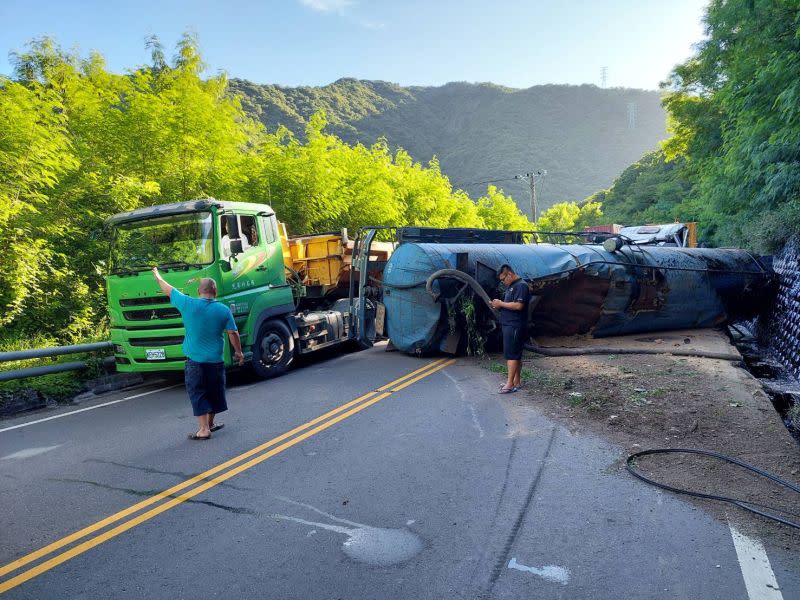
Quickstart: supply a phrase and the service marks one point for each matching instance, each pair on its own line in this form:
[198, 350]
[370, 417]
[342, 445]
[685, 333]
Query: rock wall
[780, 331]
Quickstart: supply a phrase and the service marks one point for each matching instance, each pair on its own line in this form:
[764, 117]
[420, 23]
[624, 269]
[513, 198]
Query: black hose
[609, 350]
[740, 503]
[460, 276]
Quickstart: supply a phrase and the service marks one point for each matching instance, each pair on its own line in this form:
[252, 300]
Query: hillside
[579, 134]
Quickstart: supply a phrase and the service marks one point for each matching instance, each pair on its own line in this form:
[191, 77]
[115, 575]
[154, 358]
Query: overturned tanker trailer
[603, 290]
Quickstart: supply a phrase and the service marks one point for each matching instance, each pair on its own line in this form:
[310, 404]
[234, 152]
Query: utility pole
[603, 76]
[534, 207]
[633, 109]
[531, 179]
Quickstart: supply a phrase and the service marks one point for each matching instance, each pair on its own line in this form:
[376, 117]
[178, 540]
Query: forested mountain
[733, 163]
[582, 135]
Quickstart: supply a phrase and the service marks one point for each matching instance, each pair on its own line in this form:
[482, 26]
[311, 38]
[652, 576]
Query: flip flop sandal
[508, 390]
[218, 427]
[194, 436]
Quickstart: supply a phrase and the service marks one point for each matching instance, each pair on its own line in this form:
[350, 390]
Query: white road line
[757, 572]
[464, 399]
[28, 452]
[80, 410]
[548, 572]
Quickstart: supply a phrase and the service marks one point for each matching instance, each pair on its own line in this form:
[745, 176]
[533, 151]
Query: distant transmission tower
[633, 109]
[603, 76]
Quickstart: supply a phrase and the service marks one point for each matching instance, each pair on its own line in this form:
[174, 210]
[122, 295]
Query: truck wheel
[362, 344]
[272, 351]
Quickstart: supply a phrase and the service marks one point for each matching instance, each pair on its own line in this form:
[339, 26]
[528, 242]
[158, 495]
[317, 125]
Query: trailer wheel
[273, 350]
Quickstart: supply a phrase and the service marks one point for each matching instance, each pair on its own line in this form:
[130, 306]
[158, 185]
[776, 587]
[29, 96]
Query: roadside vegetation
[732, 162]
[79, 143]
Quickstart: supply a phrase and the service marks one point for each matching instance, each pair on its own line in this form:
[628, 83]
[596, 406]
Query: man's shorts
[205, 383]
[513, 341]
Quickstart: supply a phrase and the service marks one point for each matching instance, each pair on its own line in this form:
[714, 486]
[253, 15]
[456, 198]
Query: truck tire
[273, 350]
[362, 344]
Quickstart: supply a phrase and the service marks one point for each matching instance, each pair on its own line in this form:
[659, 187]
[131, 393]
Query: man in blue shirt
[514, 320]
[204, 320]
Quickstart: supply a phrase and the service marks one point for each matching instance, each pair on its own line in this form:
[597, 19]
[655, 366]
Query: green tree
[35, 153]
[79, 143]
[735, 113]
[498, 211]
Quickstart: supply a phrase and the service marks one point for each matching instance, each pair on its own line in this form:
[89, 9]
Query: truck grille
[157, 341]
[152, 314]
[144, 301]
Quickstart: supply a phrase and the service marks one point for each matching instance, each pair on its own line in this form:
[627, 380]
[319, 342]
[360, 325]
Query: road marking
[759, 578]
[548, 572]
[378, 546]
[176, 488]
[354, 407]
[466, 401]
[80, 410]
[13, 566]
[28, 452]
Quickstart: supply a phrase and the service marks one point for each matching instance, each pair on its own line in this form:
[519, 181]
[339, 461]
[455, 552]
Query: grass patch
[591, 402]
[496, 367]
[57, 387]
[540, 377]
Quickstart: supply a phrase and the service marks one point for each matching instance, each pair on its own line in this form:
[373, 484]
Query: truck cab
[241, 247]
[236, 244]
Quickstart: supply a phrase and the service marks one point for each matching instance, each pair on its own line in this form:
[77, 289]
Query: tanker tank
[575, 289]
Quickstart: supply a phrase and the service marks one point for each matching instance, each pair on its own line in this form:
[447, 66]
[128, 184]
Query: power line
[463, 185]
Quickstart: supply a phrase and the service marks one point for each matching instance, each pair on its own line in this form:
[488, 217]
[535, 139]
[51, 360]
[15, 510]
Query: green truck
[244, 249]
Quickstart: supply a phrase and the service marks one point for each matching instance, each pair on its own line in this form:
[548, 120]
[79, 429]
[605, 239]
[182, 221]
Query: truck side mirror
[236, 247]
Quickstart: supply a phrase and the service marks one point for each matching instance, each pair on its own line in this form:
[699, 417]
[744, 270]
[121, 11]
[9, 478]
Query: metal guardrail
[47, 352]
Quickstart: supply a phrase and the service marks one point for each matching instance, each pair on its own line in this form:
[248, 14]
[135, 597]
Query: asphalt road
[422, 486]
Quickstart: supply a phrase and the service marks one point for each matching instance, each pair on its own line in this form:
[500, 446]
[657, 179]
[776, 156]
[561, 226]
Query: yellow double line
[259, 454]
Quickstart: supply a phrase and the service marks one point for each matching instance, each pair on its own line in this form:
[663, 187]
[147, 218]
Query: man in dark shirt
[514, 320]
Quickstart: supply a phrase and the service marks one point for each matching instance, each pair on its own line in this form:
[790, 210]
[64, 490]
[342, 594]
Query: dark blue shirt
[516, 292]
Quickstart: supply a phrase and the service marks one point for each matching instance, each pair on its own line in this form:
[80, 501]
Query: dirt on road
[661, 401]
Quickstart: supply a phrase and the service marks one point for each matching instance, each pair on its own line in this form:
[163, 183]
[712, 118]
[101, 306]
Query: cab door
[274, 259]
[245, 273]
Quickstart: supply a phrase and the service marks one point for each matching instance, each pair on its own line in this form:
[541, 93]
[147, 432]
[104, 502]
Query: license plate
[155, 354]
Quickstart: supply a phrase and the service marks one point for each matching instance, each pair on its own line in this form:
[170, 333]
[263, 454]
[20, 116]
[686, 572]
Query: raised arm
[165, 287]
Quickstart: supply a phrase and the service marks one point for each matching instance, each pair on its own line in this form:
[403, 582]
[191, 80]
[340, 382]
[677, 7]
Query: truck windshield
[179, 240]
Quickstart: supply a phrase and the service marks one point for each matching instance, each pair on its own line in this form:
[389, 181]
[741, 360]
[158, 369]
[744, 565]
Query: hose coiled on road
[629, 465]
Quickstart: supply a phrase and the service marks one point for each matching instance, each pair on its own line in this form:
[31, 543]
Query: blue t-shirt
[516, 292]
[205, 321]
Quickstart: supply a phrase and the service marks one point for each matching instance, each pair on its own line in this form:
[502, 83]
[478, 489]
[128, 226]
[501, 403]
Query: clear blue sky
[518, 43]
